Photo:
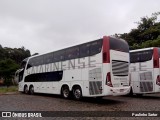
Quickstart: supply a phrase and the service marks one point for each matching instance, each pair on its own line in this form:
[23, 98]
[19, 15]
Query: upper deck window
[141, 56]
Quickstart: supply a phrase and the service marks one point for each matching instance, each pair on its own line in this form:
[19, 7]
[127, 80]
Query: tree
[16, 54]
[7, 70]
[148, 29]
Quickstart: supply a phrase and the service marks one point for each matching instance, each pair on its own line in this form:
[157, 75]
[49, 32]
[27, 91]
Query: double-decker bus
[93, 69]
[145, 70]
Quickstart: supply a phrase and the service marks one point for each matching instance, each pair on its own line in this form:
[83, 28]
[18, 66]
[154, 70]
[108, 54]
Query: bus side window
[72, 53]
[21, 76]
[59, 56]
[96, 47]
[40, 59]
[48, 58]
[84, 50]
[29, 64]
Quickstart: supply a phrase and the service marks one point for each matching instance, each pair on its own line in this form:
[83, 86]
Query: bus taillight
[155, 58]
[158, 80]
[108, 80]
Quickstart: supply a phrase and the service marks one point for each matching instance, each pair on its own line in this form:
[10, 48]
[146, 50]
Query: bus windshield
[119, 45]
[141, 56]
[23, 63]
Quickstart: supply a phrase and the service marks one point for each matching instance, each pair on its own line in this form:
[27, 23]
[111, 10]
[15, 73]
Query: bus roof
[137, 50]
[72, 46]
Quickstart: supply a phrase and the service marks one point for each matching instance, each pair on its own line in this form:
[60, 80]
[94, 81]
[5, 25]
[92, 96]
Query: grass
[8, 89]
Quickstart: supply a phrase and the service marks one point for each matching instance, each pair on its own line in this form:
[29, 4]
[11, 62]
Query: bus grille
[120, 68]
[146, 76]
[95, 87]
[146, 86]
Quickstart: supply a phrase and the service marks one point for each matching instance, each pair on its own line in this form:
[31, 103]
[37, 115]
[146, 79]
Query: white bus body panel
[143, 76]
[91, 77]
[120, 83]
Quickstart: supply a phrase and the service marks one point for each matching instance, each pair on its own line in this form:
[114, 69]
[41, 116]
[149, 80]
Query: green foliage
[10, 60]
[145, 35]
[151, 43]
[16, 54]
[7, 70]
[8, 89]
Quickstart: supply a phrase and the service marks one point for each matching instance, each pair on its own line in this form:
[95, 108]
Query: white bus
[94, 69]
[145, 70]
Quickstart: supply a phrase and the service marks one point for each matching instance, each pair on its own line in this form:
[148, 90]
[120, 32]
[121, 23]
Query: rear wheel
[65, 92]
[77, 93]
[31, 90]
[26, 89]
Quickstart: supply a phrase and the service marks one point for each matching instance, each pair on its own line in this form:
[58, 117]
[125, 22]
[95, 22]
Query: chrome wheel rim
[77, 93]
[65, 93]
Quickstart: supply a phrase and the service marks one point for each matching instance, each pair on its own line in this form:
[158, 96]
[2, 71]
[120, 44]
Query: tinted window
[159, 52]
[21, 75]
[95, 47]
[23, 64]
[59, 56]
[84, 50]
[91, 48]
[141, 56]
[35, 61]
[30, 63]
[118, 44]
[48, 58]
[72, 53]
[45, 77]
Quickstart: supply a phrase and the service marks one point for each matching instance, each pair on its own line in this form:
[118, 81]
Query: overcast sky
[47, 25]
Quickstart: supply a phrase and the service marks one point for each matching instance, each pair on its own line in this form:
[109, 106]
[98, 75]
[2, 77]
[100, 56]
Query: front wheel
[26, 89]
[77, 93]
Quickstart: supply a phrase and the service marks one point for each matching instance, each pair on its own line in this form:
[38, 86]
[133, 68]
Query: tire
[26, 89]
[77, 93]
[31, 90]
[65, 92]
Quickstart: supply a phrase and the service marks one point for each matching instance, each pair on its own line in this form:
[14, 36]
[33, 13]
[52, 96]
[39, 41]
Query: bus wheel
[26, 89]
[77, 93]
[65, 92]
[31, 90]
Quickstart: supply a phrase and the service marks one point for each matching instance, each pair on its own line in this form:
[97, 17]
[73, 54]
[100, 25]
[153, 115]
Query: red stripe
[106, 54]
[155, 58]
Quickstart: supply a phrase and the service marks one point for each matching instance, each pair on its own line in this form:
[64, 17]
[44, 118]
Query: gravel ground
[41, 102]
